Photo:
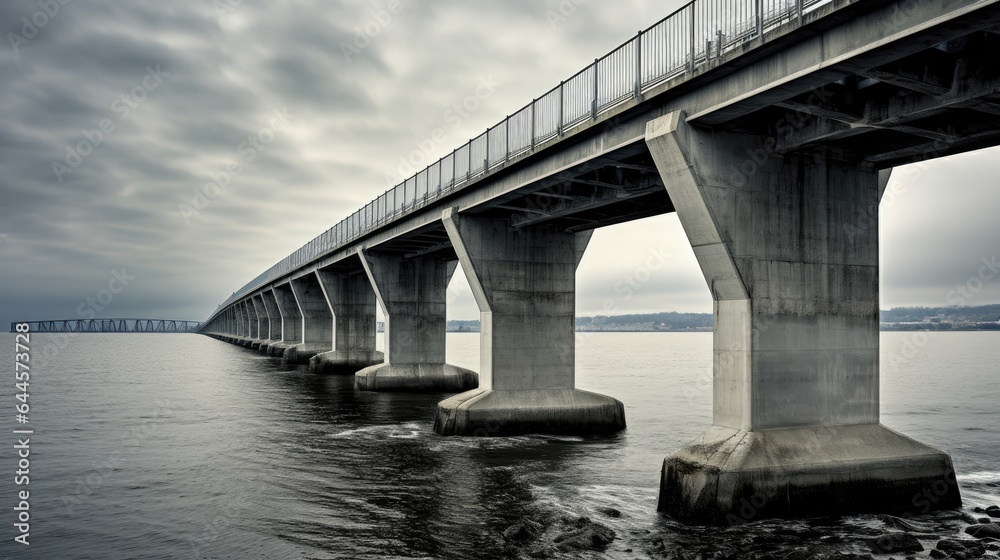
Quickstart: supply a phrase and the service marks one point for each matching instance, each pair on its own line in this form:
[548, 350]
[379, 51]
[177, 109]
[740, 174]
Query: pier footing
[730, 476]
[341, 363]
[485, 412]
[416, 378]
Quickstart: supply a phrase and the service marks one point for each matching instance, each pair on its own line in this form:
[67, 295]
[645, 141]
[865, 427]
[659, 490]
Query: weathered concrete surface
[273, 315]
[302, 353]
[524, 282]
[796, 342]
[277, 349]
[492, 412]
[412, 293]
[732, 476]
[263, 325]
[336, 363]
[415, 378]
[317, 320]
[291, 316]
[352, 301]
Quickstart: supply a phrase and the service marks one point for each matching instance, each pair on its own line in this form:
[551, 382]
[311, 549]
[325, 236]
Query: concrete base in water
[416, 378]
[337, 363]
[486, 412]
[301, 353]
[266, 345]
[277, 349]
[731, 476]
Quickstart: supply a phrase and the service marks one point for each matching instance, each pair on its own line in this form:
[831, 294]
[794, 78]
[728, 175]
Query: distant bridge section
[111, 325]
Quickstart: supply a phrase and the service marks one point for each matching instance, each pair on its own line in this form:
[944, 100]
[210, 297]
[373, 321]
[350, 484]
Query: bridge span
[110, 325]
[771, 128]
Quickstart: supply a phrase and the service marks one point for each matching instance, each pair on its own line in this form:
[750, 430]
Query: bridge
[771, 127]
[110, 325]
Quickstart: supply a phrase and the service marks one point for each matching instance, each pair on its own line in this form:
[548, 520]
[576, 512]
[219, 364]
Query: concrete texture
[731, 476]
[263, 324]
[277, 349]
[412, 292]
[273, 315]
[301, 353]
[291, 316]
[524, 282]
[352, 300]
[433, 378]
[317, 320]
[796, 306]
[253, 322]
[490, 412]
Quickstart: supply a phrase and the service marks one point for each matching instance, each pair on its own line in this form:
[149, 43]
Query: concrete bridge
[771, 128]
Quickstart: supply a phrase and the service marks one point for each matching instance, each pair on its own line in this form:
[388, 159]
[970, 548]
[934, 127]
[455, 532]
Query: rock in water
[993, 511]
[984, 530]
[523, 530]
[610, 512]
[587, 535]
[895, 542]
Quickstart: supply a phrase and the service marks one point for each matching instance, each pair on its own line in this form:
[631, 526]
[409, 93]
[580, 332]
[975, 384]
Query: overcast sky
[168, 93]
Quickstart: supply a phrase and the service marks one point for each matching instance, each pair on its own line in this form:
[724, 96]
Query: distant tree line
[672, 318]
[978, 314]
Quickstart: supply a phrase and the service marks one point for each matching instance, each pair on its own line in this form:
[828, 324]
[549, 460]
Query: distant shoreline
[990, 328]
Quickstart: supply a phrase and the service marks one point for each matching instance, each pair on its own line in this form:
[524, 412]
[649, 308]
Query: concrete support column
[352, 302]
[273, 319]
[796, 360]
[243, 330]
[253, 321]
[263, 326]
[524, 282]
[412, 294]
[291, 320]
[317, 321]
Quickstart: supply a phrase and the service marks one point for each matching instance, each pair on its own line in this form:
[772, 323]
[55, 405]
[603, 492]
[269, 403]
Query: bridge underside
[775, 159]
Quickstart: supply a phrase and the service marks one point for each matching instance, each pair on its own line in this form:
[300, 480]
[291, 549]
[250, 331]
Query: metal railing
[693, 36]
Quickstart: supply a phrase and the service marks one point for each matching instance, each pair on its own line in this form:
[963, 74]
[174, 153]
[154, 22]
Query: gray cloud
[355, 118]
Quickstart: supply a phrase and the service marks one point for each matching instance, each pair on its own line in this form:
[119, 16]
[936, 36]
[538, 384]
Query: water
[181, 446]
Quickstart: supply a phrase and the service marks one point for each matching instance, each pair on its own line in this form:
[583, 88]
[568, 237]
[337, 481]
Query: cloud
[222, 77]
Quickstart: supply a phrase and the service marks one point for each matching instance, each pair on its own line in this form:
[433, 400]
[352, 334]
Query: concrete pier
[412, 293]
[352, 301]
[796, 346]
[524, 282]
[261, 326]
[291, 320]
[317, 321]
[273, 319]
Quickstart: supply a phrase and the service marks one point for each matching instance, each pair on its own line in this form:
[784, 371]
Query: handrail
[690, 37]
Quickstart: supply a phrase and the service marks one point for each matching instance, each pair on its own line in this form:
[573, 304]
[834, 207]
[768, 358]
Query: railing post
[691, 59]
[559, 128]
[638, 64]
[506, 139]
[468, 170]
[718, 44]
[798, 10]
[454, 167]
[593, 106]
[486, 160]
[533, 124]
[760, 18]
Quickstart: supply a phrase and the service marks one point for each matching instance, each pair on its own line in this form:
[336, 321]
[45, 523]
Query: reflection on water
[255, 459]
